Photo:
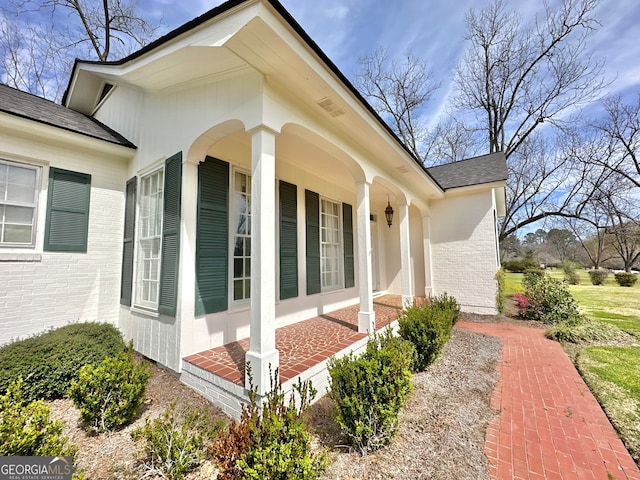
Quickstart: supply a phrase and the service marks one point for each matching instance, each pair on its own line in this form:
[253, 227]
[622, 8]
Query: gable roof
[472, 171]
[32, 107]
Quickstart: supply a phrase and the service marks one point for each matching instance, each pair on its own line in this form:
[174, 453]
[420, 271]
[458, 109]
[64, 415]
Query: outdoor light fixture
[388, 212]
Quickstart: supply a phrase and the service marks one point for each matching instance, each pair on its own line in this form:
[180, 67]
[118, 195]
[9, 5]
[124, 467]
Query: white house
[222, 182]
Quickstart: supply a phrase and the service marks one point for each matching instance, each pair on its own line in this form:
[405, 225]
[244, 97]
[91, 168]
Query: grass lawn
[610, 302]
[612, 375]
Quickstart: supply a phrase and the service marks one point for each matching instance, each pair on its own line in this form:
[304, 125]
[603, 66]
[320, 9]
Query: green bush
[500, 295]
[598, 277]
[448, 304]
[428, 328]
[272, 441]
[570, 270]
[519, 266]
[174, 442]
[589, 331]
[109, 395]
[626, 279]
[47, 363]
[26, 428]
[369, 390]
[548, 300]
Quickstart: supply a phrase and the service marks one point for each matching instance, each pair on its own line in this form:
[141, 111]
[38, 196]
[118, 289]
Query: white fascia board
[482, 187]
[48, 133]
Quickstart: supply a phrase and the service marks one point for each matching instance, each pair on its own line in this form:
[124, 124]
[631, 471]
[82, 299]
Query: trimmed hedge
[519, 266]
[598, 277]
[49, 362]
[428, 327]
[626, 279]
[369, 390]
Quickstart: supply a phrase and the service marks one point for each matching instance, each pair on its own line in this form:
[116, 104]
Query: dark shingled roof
[472, 171]
[26, 105]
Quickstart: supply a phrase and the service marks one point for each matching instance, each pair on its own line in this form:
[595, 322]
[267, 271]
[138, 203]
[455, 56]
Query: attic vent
[402, 169]
[331, 108]
[105, 91]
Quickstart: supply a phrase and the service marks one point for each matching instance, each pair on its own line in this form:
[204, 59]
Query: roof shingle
[26, 105]
[472, 171]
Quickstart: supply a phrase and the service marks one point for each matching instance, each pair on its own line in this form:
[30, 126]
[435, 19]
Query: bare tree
[624, 228]
[92, 29]
[519, 79]
[398, 91]
[451, 140]
[621, 130]
[30, 58]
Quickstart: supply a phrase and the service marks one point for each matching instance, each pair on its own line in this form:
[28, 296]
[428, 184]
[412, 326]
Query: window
[18, 200]
[241, 231]
[330, 245]
[150, 239]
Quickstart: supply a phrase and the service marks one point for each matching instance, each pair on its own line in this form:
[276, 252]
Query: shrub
[570, 272]
[49, 362]
[519, 266]
[500, 295]
[428, 327]
[598, 277]
[173, 443]
[626, 279]
[448, 304]
[26, 428]
[271, 441]
[588, 331]
[369, 390]
[548, 300]
[110, 394]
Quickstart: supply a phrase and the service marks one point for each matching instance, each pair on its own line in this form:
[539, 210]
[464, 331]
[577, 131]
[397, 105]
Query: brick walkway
[550, 426]
[301, 345]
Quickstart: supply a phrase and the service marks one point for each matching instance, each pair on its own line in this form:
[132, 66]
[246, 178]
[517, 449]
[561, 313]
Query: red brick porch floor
[301, 345]
[549, 425]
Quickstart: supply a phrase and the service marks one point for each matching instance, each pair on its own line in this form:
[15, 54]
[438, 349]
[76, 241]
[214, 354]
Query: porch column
[262, 346]
[366, 315]
[405, 256]
[426, 238]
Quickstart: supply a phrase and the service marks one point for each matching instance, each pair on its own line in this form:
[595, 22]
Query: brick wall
[463, 247]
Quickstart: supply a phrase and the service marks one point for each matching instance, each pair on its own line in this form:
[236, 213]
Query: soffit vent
[402, 169]
[330, 107]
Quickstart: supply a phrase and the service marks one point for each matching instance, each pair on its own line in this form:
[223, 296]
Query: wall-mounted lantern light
[388, 212]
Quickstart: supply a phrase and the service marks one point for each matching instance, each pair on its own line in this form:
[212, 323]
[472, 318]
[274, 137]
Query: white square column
[426, 238]
[366, 315]
[405, 256]
[262, 352]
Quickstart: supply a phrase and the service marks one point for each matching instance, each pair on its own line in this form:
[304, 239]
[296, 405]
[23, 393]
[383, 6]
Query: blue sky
[433, 30]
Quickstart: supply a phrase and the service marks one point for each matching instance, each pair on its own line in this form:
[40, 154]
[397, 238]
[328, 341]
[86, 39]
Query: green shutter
[347, 241]
[288, 240]
[67, 223]
[170, 255]
[212, 237]
[312, 213]
[126, 279]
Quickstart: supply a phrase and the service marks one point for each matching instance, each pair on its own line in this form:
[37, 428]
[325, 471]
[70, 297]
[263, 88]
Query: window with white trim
[330, 257]
[149, 239]
[241, 236]
[18, 200]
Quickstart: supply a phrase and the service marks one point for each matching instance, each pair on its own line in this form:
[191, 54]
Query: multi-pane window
[241, 232]
[18, 198]
[150, 239]
[330, 244]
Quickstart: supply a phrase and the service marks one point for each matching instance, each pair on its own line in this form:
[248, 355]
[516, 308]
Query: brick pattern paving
[301, 345]
[549, 425]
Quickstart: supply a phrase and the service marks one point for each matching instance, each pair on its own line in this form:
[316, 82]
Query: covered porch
[304, 348]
